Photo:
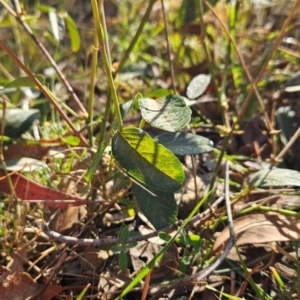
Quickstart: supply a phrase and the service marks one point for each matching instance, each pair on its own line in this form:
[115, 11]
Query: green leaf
[191, 239]
[73, 32]
[198, 85]
[160, 209]
[275, 177]
[285, 117]
[181, 143]
[94, 163]
[147, 161]
[124, 109]
[158, 93]
[164, 236]
[18, 121]
[72, 140]
[57, 24]
[168, 113]
[143, 272]
[124, 235]
[44, 8]
[26, 82]
[123, 260]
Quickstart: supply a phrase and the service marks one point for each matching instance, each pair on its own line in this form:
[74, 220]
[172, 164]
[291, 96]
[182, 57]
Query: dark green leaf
[168, 113]
[198, 85]
[181, 143]
[124, 235]
[18, 121]
[123, 260]
[275, 177]
[147, 161]
[124, 109]
[285, 117]
[160, 209]
[164, 236]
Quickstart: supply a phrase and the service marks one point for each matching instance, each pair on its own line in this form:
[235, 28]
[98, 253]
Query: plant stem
[248, 75]
[107, 66]
[136, 36]
[168, 47]
[92, 91]
[210, 65]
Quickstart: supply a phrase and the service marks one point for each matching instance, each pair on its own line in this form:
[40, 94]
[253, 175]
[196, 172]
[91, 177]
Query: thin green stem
[210, 65]
[220, 157]
[242, 61]
[105, 35]
[142, 123]
[107, 66]
[92, 91]
[136, 36]
[252, 209]
[234, 5]
[168, 47]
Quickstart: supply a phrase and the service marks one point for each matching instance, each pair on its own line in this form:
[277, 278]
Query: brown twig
[114, 240]
[287, 147]
[204, 273]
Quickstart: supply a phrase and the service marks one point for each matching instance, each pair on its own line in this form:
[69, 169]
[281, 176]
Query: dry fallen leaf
[29, 190]
[64, 219]
[258, 229]
[51, 291]
[18, 150]
[146, 251]
[16, 263]
[93, 258]
[19, 286]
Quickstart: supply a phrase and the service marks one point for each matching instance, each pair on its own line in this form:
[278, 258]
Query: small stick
[204, 273]
[44, 226]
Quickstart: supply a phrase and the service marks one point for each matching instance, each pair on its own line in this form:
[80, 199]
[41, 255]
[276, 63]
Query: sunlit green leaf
[72, 140]
[147, 161]
[169, 113]
[44, 8]
[73, 32]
